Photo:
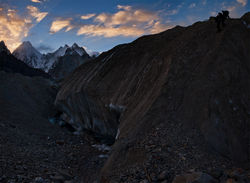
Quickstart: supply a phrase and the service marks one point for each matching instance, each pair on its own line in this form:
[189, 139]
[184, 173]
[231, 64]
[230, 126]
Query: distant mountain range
[28, 54]
[11, 64]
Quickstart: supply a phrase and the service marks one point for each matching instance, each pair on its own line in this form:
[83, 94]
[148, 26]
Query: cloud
[98, 30]
[213, 13]
[13, 28]
[88, 16]
[126, 16]
[242, 2]
[127, 21]
[173, 12]
[127, 8]
[60, 24]
[193, 5]
[159, 27]
[44, 48]
[204, 2]
[36, 1]
[34, 12]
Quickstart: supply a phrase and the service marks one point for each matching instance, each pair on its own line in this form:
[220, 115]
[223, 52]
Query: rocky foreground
[173, 106]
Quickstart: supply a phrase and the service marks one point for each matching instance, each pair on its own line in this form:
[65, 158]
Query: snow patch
[102, 147]
[117, 134]
[247, 25]
[118, 108]
[103, 156]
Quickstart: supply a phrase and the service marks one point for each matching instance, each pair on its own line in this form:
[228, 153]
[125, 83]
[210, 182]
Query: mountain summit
[28, 54]
[4, 48]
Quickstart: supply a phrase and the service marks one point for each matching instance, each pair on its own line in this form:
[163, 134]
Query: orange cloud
[34, 12]
[97, 30]
[36, 1]
[126, 15]
[242, 2]
[127, 21]
[13, 28]
[159, 27]
[60, 24]
[88, 16]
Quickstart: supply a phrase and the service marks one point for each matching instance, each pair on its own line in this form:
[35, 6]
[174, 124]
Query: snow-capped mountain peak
[78, 49]
[28, 54]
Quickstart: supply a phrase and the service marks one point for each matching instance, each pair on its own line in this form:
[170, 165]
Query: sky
[99, 25]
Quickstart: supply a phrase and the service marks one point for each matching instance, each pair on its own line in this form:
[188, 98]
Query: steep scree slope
[193, 77]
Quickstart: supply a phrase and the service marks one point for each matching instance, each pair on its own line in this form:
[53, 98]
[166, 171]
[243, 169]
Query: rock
[60, 142]
[57, 178]
[68, 181]
[144, 181]
[163, 175]
[196, 177]
[39, 180]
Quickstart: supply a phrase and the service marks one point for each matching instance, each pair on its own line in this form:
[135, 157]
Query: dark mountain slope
[67, 63]
[186, 98]
[9, 63]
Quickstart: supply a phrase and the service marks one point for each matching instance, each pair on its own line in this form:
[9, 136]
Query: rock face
[9, 63]
[66, 64]
[24, 98]
[3, 48]
[29, 55]
[193, 77]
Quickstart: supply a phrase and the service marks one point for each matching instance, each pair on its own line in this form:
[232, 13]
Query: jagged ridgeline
[58, 64]
[185, 93]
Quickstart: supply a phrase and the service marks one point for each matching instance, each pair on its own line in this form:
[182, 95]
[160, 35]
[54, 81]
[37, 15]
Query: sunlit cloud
[126, 16]
[235, 9]
[242, 2]
[13, 28]
[34, 12]
[36, 1]
[60, 24]
[127, 8]
[159, 27]
[88, 16]
[97, 30]
[127, 21]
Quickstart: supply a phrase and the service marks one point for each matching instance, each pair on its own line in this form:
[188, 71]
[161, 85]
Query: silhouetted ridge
[9, 63]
